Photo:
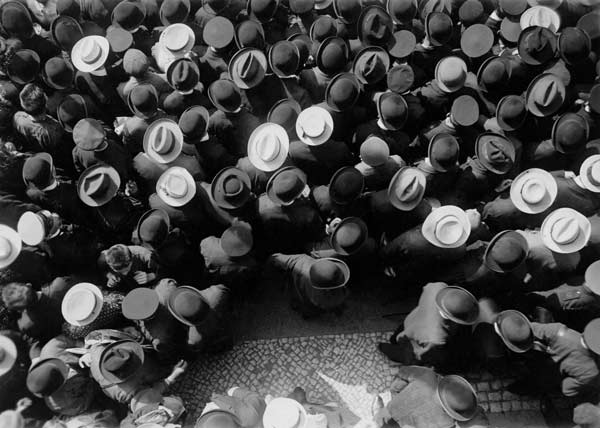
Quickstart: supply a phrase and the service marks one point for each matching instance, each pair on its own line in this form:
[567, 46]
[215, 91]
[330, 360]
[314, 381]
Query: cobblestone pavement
[345, 368]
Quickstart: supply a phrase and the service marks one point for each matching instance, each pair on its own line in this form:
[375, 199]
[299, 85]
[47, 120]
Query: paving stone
[516, 405]
[496, 385]
[495, 407]
[483, 386]
[482, 396]
[495, 396]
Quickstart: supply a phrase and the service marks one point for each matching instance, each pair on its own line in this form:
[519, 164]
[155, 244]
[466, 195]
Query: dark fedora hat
[371, 65]
[248, 67]
[375, 26]
[392, 110]
[183, 75]
[225, 95]
[68, 8]
[129, 15]
[537, 45]
[347, 11]
[511, 112]
[332, 56]
[402, 11]
[495, 152]
[301, 6]
[249, 34]
[23, 67]
[46, 376]
[493, 74]
[135, 63]
[98, 184]
[285, 112]
[304, 45]
[342, 92]
[329, 273]
[218, 32]
[237, 239]
[118, 361]
[286, 185]
[545, 95]
[231, 188]
[71, 110]
[465, 111]
[574, 45]
[400, 78]
[477, 40]
[457, 397]
[193, 122]
[262, 10]
[284, 58]
[153, 227]
[512, 7]
[471, 12]
[570, 133]
[438, 28]
[403, 44]
[349, 236]
[443, 152]
[143, 101]
[515, 330]
[16, 20]
[506, 252]
[510, 30]
[174, 11]
[58, 73]
[323, 27]
[39, 170]
[66, 31]
[119, 39]
[346, 185]
[457, 305]
[594, 101]
[140, 304]
[591, 336]
[188, 305]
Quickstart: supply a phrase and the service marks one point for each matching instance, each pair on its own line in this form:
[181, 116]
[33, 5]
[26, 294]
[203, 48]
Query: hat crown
[460, 304]
[81, 304]
[496, 153]
[176, 37]
[343, 93]
[268, 147]
[95, 183]
[393, 109]
[326, 273]
[508, 253]
[191, 306]
[516, 329]
[176, 186]
[313, 125]
[5, 248]
[408, 188]
[116, 359]
[445, 150]
[374, 151]
[533, 190]
[163, 140]
[287, 185]
[449, 230]
[248, 66]
[233, 186]
[90, 51]
[349, 235]
[153, 229]
[452, 76]
[184, 76]
[565, 230]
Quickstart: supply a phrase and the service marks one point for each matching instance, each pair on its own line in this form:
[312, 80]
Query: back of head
[33, 99]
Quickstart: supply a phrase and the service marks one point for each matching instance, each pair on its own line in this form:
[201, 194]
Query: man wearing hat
[137, 66]
[126, 266]
[343, 196]
[218, 35]
[441, 166]
[377, 166]
[184, 76]
[175, 42]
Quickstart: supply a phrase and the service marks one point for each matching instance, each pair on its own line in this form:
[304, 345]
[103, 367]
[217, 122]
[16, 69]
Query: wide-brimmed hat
[284, 413]
[465, 110]
[176, 186]
[591, 336]
[565, 231]
[163, 141]
[8, 354]
[589, 24]
[545, 95]
[46, 376]
[533, 191]
[268, 146]
[537, 45]
[39, 171]
[457, 305]
[286, 185]
[188, 305]
[174, 11]
[510, 30]
[332, 55]
[98, 184]
[570, 133]
[120, 40]
[347, 11]
[457, 397]
[477, 40]
[225, 95]
[471, 12]
[23, 67]
[574, 45]
[392, 110]
[15, 20]
[342, 92]
[374, 151]
[495, 152]
[248, 67]
[90, 53]
[402, 44]
[193, 122]
[153, 227]
[57, 73]
[402, 11]
[10, 245]
[346, 185]
[140, 304]
[589, 173]
[511, 112]
[447, 227]
[218, 32]
[371, 65]
[129, 15]
[82, 304]
[506, 252]
[592, 277]
[118, 361]
[541, 16]
[262, 10]
[493, 74]
[515, 330]
[438, 27]
[443, 152]
[249, 34]
[35, 227]
[451, 73]
[143, 100]
[284, 58]
[400, 78]
[183, 75]
[407, 188]
[349, 236]
[285, 113]
[89, 135]
[66, 31]
[231, 188]
[237, 240]
[177, 38]
[329, 273]
[217, 418]
[314, 126]
[375, 26]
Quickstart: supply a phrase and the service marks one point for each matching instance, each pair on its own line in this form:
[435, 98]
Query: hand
[474, 218]
[112, 280]
[179, 369]
[23, 404]
[143, 278]
[85, 361]
[131, 188]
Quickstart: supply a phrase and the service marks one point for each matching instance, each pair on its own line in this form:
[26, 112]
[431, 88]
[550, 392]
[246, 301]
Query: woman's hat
[328, 274]
[375, 26]
[371, 65]
[346, 185]
[188, 305]
[118, 362]
[545, 95]
[163, 141]
[143, 100]
[570, 133]
[46, 376]
[515, 330]
[218, 32]
[37, 227]
[565, 231]
[153, 227]
[8, 354]
[540, 16]
[533, 191]
[443, 152]
[284, 413]
[249, 34]
[98, 184]
[511, 112]
[314, 126]
[332, 56]
[506, 252]
[82, 304]
[176, 186]
[174, 11]
[231, 188]
[193, 122]
[237, 240]
[403, 44]
[457, 397]
[374, 151]
[58, 74]
[589, 173]
[591, 336]
[392, 110]
[225, 95]
[23, 66]
[447, 227]
[177, 38]
[495, 152]
[451, 73]
[286, 185]
[349, 236]
[140, 304]
[268, 147]
[90, 53]
[342, 92]
[477, 40]
[407, 188]
[284, 58]
[537, 45]
[248, 67]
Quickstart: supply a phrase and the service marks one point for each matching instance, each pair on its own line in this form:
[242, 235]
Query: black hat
[493, 74]
[403, 44]
[174, 11]
[349, 236]
[506, 252]
[71, 110]
[465, 110]
[183, 74]
[515, 330]
[495, 152]
[329, 273]
[458, 305]
[129, 15]
[471, 12]
[332, 56]
[323, 27]
[249, 34]
[589, 24]
[225, 95]
[574, 45]
[46, 376]
[286, 185]
[301, 6]
[119, 39]
[304, 45]
[537, 45]
[347, 11]
[346, 185]
[400, 78]
[438, 27]
[68, 8]
[66, 31]
[284, 58]
[23, 67]
[153, 227]
[231, 188]
[16, 20]
[262, 10]
[371, 65]
[570, 133]
[402, 11]
[58, 74]
[39, 170]
[392, 110]
[375, 26]
[143, 100]
[443, 152]
[594, 101]
[193, 122]
[285, 112]
[511, 112]
[342, 92]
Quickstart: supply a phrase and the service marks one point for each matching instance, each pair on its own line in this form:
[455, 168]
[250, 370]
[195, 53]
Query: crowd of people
[156, 156]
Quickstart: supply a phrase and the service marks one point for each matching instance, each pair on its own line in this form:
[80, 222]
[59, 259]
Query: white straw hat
[176, 186]
[314, 126]
[10, 245]
[82, 304]
[447, 227]
[533, 191]
[284, 413]
[589, 173]
[90, 53]
[565, 231]
[268, 147]
[163, 141]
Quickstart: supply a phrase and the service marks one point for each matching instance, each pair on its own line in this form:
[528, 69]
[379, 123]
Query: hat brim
[114, 184]
[57, 363]
[559, 148]
[592, 277]
[549, 184]
[345, 272]
[16, 244]
[172, 298]
[431, 221]
[583, 173]
[269, 189]
[504, 125]
[191, 38]
[323, 4]
[359, 61]
[402, 48]
[279, 160]
[509, 344]
[10, 354]
[434, 162]
[439, 302]
[169, 200]
[216, 186]
[130, 345]
[161, 213]
[491, 264]
[364, 233]
[442, 385]
[260, 75]
[355, 82]
[84, 66]
[408, 205]
[483, 159]
[531, 105]
[95, 312]
[177, 144]
[525, 56]
[340, 171]
[585, 231]
[327, 133]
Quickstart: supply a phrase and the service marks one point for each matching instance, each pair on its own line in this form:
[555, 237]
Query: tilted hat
[10, 245]
[495, 152]
[574, 45]
[183, 74]
[174, 11]
[262, 10]
[215, 7]
[537, 45]
[403, 44]
[176, 187]
[552, 4]
[342, 92]
[218, 32]
[15, 20]
[392, 110]
[541, 16]
[249, 34]
[400, 78]
[506, 252]
[188, 305]
[329, 273]
[284, 413]
[82, 304]
[515, 330]
[511, 112]
[66, 31]
[346, 185]
[438, 27]
[565, 231]
[46, 376]
[153, 227]
[402, 11]
[286, 185]
[591, 336]
[371, 65]
[465, 111]
[458, 305]
[143, 100]
[447, 227]
[332, 55]
[268, 147]
[349, 236]
[193, 122]
[118, 361]
[178, 38]
[443, 152]
[285, 113]
[570, 133]
[35, 227]
[225, 95]
[407, 188]
[457, 397]
[477, 40]
[314, 126]
[451, 73]
[71, 110]
[217, 418]
[129, 15]
[248, 67]
[90, 53]
[589, 24]
[98, 184]
[589, 173]
[39, 170]
[375, 26]
[163, 141]
[347, 11]
[140, 304]
[545, 95]
[237, 240]
[374, 151]
[23, 67]
[8, 354]
[592, 277]
[284, 58]
[231, 188]
[533, 191]
[322, 4]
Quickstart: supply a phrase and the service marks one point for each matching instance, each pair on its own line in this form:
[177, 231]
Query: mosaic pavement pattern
[343, 368]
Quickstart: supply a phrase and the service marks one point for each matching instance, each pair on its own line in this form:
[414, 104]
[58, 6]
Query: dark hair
[33, 99]
[118, 256]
